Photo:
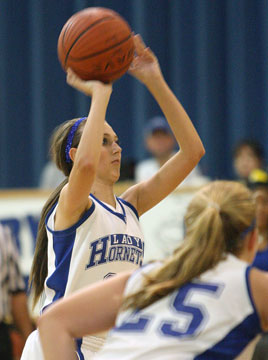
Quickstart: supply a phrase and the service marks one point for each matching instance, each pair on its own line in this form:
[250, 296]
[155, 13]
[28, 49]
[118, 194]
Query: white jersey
[105, 241]
[207, 319]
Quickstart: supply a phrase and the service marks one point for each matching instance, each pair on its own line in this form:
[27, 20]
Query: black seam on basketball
[102, 51]
[114, 72]
[82, 33]
[118, 71]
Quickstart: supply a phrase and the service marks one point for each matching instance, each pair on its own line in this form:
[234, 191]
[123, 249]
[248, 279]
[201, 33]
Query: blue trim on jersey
[249, 291]
[50, 212]
[79, 344]
[130, 206]
[261, 260]
[72, 228]
[63, 242]
[237, 339]
[63, 248]
[120, 216]
[235, 342]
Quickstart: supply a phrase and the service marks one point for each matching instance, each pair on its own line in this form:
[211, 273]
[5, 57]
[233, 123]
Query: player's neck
[104, 192]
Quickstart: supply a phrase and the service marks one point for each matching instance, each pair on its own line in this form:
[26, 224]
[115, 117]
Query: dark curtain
[213, 54]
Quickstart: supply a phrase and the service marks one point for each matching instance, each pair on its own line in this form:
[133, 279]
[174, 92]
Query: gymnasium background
[213, 53]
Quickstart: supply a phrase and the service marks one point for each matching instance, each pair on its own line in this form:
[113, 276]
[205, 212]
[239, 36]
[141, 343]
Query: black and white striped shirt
[11, 280]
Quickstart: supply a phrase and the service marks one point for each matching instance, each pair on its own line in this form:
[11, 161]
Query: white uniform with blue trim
[105, 241]
[210, 318]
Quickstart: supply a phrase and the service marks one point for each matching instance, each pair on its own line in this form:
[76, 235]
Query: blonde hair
[215, 221]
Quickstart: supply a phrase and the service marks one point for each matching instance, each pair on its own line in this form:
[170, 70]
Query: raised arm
[84, 313]
[147, 194]
[74, 199]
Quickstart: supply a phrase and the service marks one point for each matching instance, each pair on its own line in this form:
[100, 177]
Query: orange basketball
[97, 44]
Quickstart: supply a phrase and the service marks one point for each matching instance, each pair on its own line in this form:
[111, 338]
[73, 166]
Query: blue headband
[249, 229]
[70, 139]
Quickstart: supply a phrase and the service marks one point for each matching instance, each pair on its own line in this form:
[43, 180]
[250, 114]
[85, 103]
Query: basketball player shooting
[90, 233]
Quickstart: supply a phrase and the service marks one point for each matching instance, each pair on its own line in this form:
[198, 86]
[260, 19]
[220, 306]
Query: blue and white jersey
[105, 241]
[212, 317]
[261, 260]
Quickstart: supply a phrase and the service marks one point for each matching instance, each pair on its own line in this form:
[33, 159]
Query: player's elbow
[197, 153]
[201, 152]
[44, 323]
[50, 322]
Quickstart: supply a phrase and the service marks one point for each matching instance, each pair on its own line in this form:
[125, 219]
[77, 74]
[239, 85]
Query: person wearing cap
[159, 141]
[258, 182]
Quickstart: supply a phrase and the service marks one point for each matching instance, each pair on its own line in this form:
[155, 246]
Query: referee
[13, 299]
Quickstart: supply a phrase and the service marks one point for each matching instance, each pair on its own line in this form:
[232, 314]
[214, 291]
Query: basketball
[97, 44]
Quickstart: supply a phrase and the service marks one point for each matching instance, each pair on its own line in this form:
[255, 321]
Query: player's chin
[116, 175]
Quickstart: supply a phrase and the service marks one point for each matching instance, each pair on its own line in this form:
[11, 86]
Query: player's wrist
[102, 94]
[156, 83]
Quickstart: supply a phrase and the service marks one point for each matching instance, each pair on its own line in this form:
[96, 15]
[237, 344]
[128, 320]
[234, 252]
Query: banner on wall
[21, 211]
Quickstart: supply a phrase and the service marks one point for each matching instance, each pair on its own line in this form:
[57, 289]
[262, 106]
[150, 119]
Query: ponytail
[215, 220]
[38, 272]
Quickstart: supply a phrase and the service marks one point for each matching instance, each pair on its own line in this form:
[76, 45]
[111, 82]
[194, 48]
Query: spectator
[160, 143]
[247, 156]
[258, 182]
[50, 177]
[13, 299]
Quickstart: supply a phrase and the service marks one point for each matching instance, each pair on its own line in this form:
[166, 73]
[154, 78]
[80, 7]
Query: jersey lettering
[98, 247]
[189, 316]
[116, 247]
[195, 313]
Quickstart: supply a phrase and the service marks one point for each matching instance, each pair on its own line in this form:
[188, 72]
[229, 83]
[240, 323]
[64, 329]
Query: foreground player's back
[210, 318]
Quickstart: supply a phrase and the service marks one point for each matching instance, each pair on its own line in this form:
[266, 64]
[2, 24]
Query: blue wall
[213, 54]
